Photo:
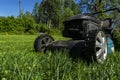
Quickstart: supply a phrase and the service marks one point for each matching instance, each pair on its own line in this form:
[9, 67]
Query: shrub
[42, 28]
[55, 31]
[116, 38]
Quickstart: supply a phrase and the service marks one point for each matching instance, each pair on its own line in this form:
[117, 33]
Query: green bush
[116, 38]
[25, 25]
[55, 31]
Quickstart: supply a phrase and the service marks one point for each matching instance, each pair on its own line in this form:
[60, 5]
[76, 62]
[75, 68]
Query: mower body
[110, 45]
[91, 38]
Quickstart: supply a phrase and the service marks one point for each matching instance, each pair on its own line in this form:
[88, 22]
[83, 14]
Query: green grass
[18, 61]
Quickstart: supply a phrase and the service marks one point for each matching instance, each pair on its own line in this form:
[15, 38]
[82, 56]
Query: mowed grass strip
[18, 61]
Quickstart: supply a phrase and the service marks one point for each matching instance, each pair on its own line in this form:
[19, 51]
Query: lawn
[19, 61]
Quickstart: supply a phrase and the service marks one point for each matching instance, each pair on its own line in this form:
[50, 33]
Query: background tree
[88, 6]
[35, 12]
[53, 12]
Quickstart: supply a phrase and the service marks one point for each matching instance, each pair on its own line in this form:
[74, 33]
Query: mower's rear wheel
[42, 42]
[100, 47]
[96, 47]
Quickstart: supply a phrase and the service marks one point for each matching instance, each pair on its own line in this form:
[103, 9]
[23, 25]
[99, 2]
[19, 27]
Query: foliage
[55, 31]
[19, 62]
[45, 14]
[116, 38]
[91, 6]
[54, 12]
[9, 24]
[50, 14]
[24, 24]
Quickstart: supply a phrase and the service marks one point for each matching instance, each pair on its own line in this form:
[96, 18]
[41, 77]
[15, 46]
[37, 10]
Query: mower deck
[75, 47]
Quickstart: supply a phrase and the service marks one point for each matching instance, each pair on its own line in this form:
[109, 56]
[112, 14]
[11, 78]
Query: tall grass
[18, 61]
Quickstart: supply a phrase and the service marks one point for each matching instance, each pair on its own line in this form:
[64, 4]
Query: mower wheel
[100, 47]
[42, 42]
[96, 47]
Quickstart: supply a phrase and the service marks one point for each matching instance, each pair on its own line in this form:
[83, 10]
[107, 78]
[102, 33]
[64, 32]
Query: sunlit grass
[18, 61]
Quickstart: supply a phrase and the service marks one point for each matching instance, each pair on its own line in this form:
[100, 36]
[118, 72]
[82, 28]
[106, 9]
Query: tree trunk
[49, 23]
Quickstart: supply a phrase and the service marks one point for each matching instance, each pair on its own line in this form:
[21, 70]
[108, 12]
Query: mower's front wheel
[42, 42]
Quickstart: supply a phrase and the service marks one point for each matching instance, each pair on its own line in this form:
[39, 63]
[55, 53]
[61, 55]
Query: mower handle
[118, 9]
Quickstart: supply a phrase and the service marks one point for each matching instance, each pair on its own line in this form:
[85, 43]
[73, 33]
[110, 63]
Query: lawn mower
[90, 38]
